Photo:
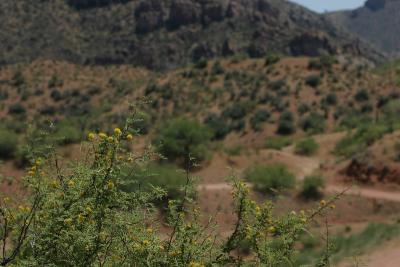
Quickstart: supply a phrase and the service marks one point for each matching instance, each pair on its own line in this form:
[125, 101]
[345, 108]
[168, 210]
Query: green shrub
[17, 109]
[238, 110]
[314, 123]
[180, 138]
[8, 144]
[68, 132]
[364, 136]
[277, 85]
[286, 124]
[201, 63]
[277, 142]
[361, 95]
[313, 81]
[306, 147]
[312, 187]
[55, 81]
[331, 99]
[164, 176]
[218, 125]
[272, 59]
[259, 117]
[235, 150]
[217, 68]
[323, 62]
[18, 79]
[270, 178]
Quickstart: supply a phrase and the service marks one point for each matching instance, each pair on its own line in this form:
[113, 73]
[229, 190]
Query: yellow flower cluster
[24, 208]
[91, 136]
[117, 131]
[195, 264]
[110, 185]
[68, 221]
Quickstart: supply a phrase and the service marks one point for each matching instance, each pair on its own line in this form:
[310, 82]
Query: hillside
[243, 96]
[164, 34]
[377, 22]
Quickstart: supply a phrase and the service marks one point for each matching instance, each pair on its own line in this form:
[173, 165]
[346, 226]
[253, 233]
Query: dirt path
[387, 255]
[366, 193]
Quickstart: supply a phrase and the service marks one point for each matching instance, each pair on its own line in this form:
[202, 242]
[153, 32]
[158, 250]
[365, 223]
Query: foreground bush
[270, 178]
[78, 215]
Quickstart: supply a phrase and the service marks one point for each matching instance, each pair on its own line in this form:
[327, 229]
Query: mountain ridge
[165, 34]
[377, 22]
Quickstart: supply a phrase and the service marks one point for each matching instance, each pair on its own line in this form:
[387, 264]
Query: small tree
[270, 178]
[180, 139]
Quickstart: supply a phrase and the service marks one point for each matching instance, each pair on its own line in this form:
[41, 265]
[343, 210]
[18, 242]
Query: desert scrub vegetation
[306, 147]
[278, 142]
[312, 187]
[79, 213]
[8, 143]
[345, 245]
[270, 179]
[180, 138]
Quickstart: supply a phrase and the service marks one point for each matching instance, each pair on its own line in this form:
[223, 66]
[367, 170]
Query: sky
[330, 5]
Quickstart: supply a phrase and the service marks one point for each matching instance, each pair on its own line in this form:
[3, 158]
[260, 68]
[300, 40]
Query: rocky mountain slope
[163, 34]
[377, 22]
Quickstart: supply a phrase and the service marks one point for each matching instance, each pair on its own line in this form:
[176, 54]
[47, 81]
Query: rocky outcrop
[369, 174]
[311, 45]
[160, 34]
[150, 16]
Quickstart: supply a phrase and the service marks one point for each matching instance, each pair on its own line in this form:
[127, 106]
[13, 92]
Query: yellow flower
[102, 136]
[271, 229]
[31, 173]
[174, 253]
[146, 242]
[54, 184]
[129, 137]
[89, 209]
[149, 230]
[323, 203]
[39, 161]
[117, 131]
[195, 264]
[81, 218]
[71, 183]
[68, 221]
[33, 168]
[91, 136]
[110, 185]
[333, 206]
[110, 139]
